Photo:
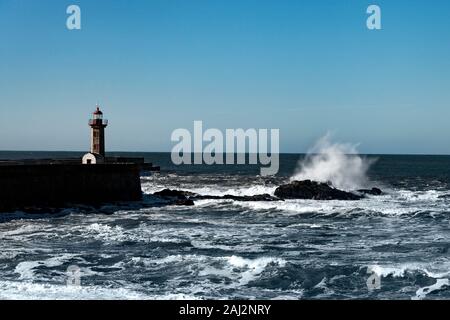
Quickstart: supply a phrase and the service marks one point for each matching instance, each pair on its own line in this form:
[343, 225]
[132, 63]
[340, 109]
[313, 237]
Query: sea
[393, 246]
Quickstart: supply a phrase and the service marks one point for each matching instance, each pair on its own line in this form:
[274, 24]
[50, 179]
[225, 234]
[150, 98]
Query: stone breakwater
[34, 186]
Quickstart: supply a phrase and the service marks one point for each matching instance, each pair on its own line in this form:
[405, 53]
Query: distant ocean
[225, 249]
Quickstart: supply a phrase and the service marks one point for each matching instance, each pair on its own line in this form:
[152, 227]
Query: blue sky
[305, 67]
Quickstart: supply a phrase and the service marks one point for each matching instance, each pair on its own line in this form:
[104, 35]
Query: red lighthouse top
[97, 111]
[97, 119]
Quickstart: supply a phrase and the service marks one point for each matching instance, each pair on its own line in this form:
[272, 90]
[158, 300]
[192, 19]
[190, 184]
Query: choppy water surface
[227, 249]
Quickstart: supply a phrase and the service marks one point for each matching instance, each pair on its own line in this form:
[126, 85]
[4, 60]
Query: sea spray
[335, 163]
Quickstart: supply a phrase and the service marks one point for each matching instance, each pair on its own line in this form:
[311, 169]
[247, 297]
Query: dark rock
[258, 197]
[168, 193]
[206, 197]
[308, 189]
[184, 202]
[373, 191]
[184, 196]
[149, 167]
[176, 197]
[296, 190]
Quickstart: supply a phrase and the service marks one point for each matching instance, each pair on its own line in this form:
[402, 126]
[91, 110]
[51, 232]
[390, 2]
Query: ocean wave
[213, 190]
[26, 269]
[436, 270]
[242, 247]
[253, 267]
[393, 202]
[397, 204]
[142, 233]
[239, 270]
[13, 290]
[419, 196]
[439, 285]
[234, 249]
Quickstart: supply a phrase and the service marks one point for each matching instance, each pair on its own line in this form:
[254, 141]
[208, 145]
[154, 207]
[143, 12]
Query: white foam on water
[238, 269]
[253, 267]
[38, 291]
[213, 190]
[333, 162]
[322, 285]
[101, 231]
[216, 205]
[307, 225]
[20, 230]
[253, 248]
[296, 295]
[26, 268]
[142, 233]
[420, 196]
[171, 259]
[394, 204]
[423, 292]
[292, 206]
[9, 254]
[434, 270]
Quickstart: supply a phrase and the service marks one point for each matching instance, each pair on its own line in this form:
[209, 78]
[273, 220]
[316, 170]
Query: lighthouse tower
[98, 125]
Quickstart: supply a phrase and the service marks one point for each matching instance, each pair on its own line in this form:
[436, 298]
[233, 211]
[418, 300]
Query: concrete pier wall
[24, 186]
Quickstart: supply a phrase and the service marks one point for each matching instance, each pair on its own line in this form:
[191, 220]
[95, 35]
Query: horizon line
[280, 153]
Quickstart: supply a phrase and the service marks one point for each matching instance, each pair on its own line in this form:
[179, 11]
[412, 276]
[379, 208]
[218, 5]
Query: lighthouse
[98, 125]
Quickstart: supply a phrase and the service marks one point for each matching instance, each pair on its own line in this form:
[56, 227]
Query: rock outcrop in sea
[178, 197]
[313, 190]
[306, 190]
